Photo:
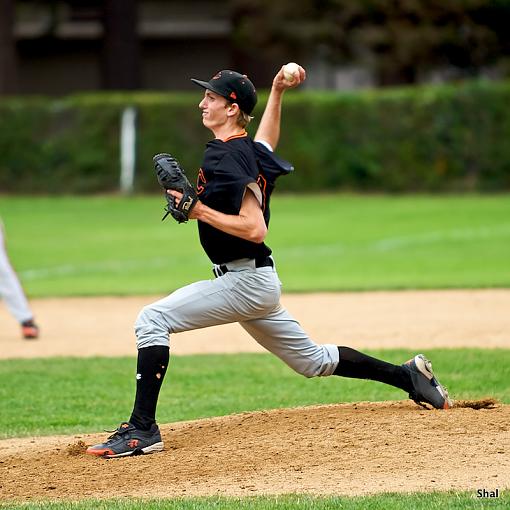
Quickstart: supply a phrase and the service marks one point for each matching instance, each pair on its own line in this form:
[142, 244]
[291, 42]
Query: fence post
[127, 149]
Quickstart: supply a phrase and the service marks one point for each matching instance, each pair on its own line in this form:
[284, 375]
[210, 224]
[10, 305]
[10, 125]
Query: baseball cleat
[29, 330]
[426, 388]
[128, 440]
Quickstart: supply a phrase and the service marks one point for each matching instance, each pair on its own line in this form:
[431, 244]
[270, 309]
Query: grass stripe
[77, 395]
[430, 501]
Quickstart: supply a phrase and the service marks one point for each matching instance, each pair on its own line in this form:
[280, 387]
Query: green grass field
[433, 501]
[118, 246]
[71, 395]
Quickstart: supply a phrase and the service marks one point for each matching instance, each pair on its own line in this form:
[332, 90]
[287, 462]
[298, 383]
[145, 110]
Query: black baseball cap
[235, 87]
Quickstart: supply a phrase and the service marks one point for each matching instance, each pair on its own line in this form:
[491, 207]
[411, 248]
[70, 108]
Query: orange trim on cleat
[99, 452]
[128, 440]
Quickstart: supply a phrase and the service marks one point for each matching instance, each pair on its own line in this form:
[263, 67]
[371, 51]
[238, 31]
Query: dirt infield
[347, 449]
[410, 319]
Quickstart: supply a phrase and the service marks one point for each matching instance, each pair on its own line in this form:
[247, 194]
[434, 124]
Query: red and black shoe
[128, 440]
[29, 330]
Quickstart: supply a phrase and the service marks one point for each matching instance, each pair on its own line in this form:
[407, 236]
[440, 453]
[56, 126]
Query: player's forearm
[269, 127]
[244, 226]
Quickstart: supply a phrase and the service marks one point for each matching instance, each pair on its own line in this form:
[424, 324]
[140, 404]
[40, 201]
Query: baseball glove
[171, 176]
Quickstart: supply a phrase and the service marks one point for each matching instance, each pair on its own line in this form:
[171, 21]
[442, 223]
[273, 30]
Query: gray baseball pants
[244, 294]
[10, 287]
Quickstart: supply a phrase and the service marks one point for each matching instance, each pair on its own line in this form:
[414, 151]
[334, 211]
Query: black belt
[264, 262]
[261, 262]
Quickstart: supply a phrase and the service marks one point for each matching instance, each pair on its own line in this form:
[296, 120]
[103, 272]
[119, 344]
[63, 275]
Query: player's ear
[232, 109]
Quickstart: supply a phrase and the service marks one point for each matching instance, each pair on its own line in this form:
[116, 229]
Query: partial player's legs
[282, 335]
[13, 295]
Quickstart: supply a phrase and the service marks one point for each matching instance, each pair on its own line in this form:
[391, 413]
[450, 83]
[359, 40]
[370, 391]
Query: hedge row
[435, 138]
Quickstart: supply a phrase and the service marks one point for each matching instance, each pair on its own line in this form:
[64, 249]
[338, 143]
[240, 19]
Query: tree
[398, 40]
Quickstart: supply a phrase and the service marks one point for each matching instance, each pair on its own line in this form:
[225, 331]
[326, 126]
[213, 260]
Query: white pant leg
[236, 296]
[250, 297]
[10, 287]
[281, 334]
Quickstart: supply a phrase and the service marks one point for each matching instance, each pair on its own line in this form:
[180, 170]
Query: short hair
[243, 119]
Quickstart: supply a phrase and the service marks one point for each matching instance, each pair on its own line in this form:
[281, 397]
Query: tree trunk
[8, 56]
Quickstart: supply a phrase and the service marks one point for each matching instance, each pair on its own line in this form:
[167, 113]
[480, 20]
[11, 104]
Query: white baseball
[290, 71]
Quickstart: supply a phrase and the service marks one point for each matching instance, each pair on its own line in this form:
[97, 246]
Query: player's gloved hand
[171, 176]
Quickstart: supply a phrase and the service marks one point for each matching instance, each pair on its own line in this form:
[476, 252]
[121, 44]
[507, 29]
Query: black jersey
[230, 166]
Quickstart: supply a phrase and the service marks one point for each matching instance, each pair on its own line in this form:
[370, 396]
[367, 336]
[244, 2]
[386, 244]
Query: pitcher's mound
[345, 449]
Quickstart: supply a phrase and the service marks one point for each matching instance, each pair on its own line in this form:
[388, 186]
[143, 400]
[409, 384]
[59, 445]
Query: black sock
[150, 372]
[360, 366]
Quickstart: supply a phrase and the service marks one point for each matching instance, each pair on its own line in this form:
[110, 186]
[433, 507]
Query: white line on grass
[394, 243]
[107, 266]
[338, 248]
[439, 236]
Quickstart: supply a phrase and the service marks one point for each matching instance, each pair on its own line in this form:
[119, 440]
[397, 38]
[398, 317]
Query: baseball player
[13, 295]
[231, 205]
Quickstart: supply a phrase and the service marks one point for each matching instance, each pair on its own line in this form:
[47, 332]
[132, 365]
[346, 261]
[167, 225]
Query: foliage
[72, 144]
[428, 138]
[399, 41]
[434, 138]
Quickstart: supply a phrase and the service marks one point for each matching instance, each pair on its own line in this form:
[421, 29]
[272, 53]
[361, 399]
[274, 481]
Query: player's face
[214, 110]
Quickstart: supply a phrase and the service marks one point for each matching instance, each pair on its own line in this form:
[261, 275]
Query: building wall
[60, 50]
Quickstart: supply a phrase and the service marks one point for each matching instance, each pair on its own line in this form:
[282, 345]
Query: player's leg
[234, 297]
[12, 293]
[282, 335]
[187, 307]
[358, 365]
[199, 305]
[415, 376]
